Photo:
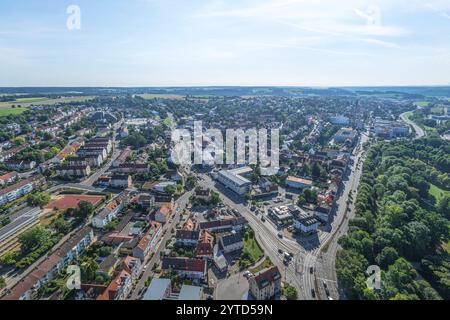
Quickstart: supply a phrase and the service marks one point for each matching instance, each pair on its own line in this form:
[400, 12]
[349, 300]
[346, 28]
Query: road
[418, 130]
[146, 268]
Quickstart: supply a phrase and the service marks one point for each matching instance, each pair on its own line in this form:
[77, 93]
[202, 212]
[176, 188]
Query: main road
[418, 130]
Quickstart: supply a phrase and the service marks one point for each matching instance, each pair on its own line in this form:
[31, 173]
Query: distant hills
[405, 92]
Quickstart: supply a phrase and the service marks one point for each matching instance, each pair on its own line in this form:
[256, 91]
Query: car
[145, 267]
[263, 219]
[311, 270]
[313, 293]
[280, 251]
[291, 254]
[324, 284]
[247, 274]
[280, 235]
[253, 208]
[327, 292]
[287, 255]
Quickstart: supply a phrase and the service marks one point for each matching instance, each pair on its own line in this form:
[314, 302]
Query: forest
[401, 223]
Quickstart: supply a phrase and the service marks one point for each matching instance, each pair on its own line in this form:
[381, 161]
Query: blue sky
[225, 42]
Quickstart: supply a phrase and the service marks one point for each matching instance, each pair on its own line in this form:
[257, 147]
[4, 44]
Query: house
[147, 241]
[205, 245]
[20, 164]
[163, 213]
[8, 178]
[346, 135]
[190, 268]
[119, 288]
[189, 224]
[20, 188]
[109, 212]
[219, 259]
[298, 183]
[121, 181]
[132, 265]
[74, 171]
[266, 284]
[187, 237]
[231, 242]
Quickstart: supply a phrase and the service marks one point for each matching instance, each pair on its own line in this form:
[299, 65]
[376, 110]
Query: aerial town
[90, 182]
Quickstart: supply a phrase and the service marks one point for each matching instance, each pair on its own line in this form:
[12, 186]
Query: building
[122, 158]
[24, 220]
[186, 267]
[281, 215]
[20, 189]
[79, 171]
[346, 135]
[20, 165]
[187, 238]
[27, 287]
[231, 242]
[133, 168]
[224, 225]
[161, 289]
[121, 181]
[298, 183]
[119, 288]
[146, 200]
[147, 241]
[339, 120]
[266, 284]
[233, 180]
[205, 245]
[109, 212]
[202, 193]
[388, 129]
[163, 213]
[306, 223]
[8, 178]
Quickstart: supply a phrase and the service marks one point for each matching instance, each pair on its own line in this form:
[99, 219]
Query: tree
[19, 140]
[89, 268]
[84, 209]
[290, 292]
[215, 198]
[39, 199]
[386, 257]
[34, 238]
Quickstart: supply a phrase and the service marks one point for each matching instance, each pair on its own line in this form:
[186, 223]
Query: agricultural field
[149, 96]
[422, 104]
[26, 102]
[8, 111]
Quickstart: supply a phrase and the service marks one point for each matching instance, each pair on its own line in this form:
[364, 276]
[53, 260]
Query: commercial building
[306, 223]
[233, 180]
[281, 215]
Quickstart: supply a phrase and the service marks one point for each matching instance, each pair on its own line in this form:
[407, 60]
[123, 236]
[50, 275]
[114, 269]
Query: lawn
[437, 192]
[30, 100]
[253, 249]
[9, 111]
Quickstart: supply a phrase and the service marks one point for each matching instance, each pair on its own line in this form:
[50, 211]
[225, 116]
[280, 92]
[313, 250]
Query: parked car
[280, 251]
[280, 235]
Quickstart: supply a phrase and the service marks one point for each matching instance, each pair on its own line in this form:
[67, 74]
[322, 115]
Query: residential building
[236, 224]
[109, 212]
[298, 183]
[119, 288]
[8, 178]
[186, 267]
[121, 181]
[266, 284]
[20, 165]
[74, 171]
[20, 188]
[205, 245]
[163, 213]
[147, 241]
[231, 241]
[346, 135]
[187, 237]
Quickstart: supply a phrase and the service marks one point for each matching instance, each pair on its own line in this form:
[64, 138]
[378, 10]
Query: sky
[224, 42]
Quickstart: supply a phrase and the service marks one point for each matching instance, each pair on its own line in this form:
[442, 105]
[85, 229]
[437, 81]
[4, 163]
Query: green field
[26, 102]
[149, 96]
[422, 104]
[9, 111]
[437, 192]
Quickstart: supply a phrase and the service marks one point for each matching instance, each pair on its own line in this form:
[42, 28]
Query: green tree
[34, 238]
